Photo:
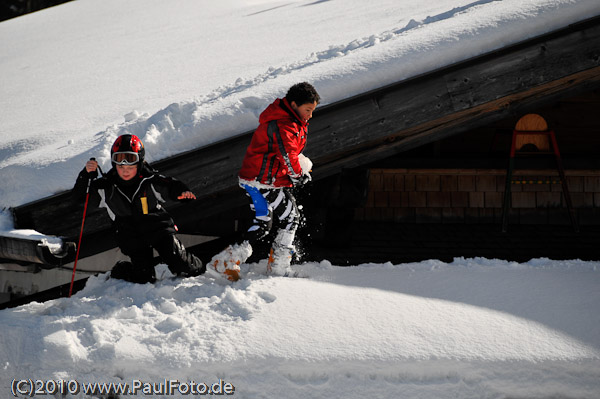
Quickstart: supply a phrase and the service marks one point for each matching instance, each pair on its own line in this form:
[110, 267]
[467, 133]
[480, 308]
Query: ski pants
[273, 207]
[139, 248]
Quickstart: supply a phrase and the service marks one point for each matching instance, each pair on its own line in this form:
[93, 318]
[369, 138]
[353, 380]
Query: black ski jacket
[124, 199]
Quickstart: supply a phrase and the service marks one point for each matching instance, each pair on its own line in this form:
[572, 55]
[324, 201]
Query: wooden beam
[461, 121]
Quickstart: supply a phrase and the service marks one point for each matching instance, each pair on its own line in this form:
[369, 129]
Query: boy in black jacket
[133, 193]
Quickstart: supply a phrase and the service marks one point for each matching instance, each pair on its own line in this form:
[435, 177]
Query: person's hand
[187, 195]
[91, 166]
[301, 180]
[305, 163]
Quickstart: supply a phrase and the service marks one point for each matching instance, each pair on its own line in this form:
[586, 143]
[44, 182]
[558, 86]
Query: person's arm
[288, 148]
[175, 189]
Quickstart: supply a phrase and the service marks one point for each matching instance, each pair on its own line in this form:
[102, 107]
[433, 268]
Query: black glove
[85, 175]
[301, 180]
[92, 175]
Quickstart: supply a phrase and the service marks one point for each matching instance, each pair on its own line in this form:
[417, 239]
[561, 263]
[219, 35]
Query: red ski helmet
[127, 150]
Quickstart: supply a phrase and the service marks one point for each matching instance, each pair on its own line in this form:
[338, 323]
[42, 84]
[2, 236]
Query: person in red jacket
[272, 166]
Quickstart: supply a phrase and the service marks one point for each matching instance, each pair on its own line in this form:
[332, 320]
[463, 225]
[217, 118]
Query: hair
[302, 93]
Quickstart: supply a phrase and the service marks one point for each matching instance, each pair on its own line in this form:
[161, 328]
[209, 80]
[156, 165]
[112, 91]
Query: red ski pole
[87, 198]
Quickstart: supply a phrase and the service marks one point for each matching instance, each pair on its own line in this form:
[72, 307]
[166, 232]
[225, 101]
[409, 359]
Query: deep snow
[186, 73]
[474, 328]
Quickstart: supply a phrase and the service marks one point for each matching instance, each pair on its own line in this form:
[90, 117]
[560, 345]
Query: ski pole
[87, 198]
[99, 168]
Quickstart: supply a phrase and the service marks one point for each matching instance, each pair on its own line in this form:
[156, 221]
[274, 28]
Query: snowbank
[471, 328]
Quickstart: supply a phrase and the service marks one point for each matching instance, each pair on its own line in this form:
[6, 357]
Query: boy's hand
[91, 166]
[187, 195]
[302, 180]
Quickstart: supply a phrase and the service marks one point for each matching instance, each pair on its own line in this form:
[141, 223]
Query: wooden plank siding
[476, 196]
[378, 124]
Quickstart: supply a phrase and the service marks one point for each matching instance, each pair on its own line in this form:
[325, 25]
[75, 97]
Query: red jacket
[272, 156]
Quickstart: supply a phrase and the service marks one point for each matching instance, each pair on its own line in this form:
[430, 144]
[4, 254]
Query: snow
[183, 74]
[53, 243]
[472, 328]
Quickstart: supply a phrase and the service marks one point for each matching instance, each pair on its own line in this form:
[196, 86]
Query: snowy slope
[470, 329]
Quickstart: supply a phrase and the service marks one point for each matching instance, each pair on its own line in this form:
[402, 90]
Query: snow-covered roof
[83, 72]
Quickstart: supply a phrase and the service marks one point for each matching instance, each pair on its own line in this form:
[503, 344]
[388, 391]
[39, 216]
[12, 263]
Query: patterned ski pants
[273, 208]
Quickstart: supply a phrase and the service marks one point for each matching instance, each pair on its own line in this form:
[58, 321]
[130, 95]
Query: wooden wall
[461, 179]
[476, 196]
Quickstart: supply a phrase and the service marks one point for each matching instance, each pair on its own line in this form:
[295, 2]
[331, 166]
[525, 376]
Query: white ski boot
[280, 256]
[280, 260]
[227, 262]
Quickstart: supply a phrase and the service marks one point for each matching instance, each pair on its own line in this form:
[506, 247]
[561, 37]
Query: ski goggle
[125, 158]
